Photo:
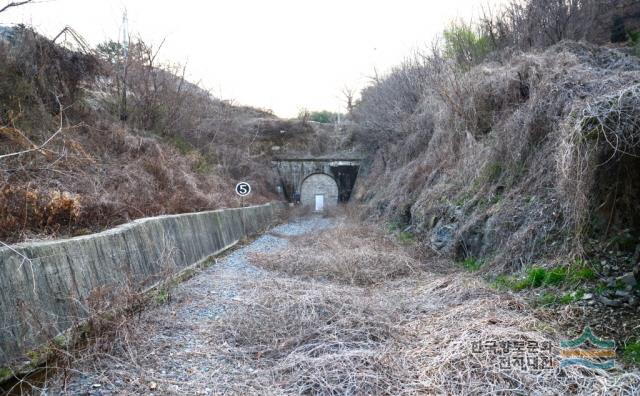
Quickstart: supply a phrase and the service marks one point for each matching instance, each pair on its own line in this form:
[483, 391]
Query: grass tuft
[535, 277]
[471, 264]
[631, 352]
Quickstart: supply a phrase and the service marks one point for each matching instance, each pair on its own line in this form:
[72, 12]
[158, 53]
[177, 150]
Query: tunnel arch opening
[293, 170]
[319, 191]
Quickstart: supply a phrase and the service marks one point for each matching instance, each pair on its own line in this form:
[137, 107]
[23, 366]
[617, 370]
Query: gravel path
[168, 353]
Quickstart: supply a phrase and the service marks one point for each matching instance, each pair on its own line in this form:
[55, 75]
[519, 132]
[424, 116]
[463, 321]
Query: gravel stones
[174, 346]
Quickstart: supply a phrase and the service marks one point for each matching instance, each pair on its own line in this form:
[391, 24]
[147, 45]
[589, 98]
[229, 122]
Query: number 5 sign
[243, 189]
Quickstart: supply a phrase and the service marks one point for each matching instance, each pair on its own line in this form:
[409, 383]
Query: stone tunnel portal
[292, 172]
[319, 191]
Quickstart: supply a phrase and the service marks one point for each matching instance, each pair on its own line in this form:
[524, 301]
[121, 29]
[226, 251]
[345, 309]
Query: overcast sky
[282, 55]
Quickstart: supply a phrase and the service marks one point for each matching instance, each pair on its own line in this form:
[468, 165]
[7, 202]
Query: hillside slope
[513, 162]
[119, 147]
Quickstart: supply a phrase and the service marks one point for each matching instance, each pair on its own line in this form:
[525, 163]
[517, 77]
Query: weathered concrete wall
[44, 285]
[319, 183]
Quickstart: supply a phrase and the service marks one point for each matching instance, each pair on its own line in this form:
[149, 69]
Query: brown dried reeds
[306, 337]
[338, 253]
[523, 158]
[288, 336]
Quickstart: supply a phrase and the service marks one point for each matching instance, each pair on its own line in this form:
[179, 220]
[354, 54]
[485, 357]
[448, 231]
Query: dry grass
[377, 330]
[180, 150]
[521, 158]
[305, 337]
[328, 335]
[338, 255]
[106, 326]
[290, 337]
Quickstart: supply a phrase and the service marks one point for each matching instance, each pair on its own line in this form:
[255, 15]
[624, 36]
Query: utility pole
[124, 42]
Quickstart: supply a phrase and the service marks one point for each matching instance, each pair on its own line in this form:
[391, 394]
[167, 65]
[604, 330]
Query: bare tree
[349, 94]
[540, 23]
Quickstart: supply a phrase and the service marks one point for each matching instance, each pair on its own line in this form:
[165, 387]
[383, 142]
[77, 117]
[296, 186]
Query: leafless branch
[46, 142]
[15, 4]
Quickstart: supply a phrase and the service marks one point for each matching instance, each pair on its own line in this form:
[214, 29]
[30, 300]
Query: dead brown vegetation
[103, 325]
[488, 152]
[412, 334]
[513, 155]
[337, 255]
[81, 168]
[542, 23]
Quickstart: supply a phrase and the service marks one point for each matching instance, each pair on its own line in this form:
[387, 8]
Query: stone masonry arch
[292, 171]
[319, 184]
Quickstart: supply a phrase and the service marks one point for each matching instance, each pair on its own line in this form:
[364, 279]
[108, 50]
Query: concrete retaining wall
[44, 285]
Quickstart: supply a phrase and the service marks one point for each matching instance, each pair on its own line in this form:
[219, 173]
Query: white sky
[282, 55]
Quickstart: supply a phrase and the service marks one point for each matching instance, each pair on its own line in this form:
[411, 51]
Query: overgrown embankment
[108, 135]
[518, 160]
[514, 149]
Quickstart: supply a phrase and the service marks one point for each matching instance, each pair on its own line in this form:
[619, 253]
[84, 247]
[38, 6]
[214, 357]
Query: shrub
[465, 45]
[23, 208]
[386, 105]
[542, 23]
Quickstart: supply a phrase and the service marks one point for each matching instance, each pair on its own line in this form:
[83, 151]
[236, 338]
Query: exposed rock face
[442, 236]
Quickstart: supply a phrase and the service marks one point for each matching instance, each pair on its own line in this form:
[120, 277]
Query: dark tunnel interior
[345, 176]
